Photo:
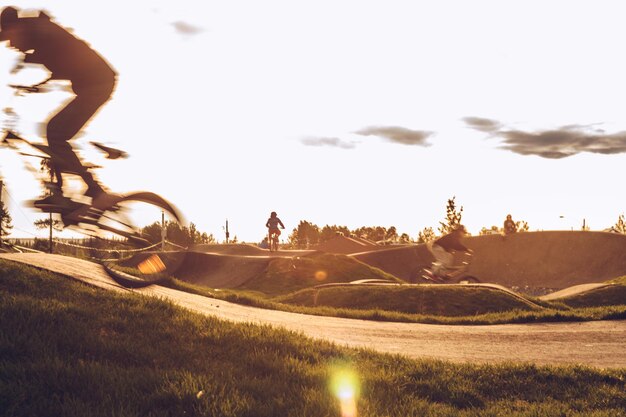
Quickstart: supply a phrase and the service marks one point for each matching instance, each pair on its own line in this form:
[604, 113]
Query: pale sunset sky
[355, 113]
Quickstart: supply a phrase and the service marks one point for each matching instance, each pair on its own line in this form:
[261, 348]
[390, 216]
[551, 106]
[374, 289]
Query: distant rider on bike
[92, 80]
[272, 224]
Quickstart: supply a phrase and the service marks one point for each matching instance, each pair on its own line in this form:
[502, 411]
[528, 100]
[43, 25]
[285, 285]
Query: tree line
[306, 233]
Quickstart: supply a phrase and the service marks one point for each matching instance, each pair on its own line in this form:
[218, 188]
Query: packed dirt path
[598, 344]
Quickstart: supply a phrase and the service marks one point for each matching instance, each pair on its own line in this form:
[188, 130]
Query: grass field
[67, 349]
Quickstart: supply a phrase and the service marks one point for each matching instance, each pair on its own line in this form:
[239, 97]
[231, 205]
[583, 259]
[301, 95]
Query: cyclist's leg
[64, 126]
[273, 239]
[442, 256]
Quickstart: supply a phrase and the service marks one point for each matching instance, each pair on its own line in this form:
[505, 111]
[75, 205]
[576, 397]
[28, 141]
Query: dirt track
[597, 344]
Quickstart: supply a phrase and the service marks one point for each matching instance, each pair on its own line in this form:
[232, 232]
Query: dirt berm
[553, 259]
[209, 269]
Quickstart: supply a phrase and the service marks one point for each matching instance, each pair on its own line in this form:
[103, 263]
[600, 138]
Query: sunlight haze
[355, 113]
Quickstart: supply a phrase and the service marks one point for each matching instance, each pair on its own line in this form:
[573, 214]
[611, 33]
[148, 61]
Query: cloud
[397, 134]
[184, 28]
[555, 143]
[334, 142]
[484, 125]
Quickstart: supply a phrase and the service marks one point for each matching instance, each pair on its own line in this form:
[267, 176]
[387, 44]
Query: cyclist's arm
[281, 224]
[267, 224]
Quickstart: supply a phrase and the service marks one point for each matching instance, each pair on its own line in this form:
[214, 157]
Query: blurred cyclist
[444, 248]
[66, 58]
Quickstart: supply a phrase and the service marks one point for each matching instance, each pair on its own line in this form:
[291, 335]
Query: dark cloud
[553, 144]
[186, 29]
[334, 142]
[397, 134]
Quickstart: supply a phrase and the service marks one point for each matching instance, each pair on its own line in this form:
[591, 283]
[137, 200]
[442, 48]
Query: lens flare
[321, 275]
[345, 385]
[152, 265]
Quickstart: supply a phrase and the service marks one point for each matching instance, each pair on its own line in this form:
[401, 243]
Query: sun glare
[152, 265]
[321, 275]
[345, 386]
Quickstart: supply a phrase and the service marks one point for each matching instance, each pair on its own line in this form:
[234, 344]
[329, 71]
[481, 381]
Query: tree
[522, 226]
[305, 234]
[453, 217]
[45, 224]
[204, 238]
[493, 230]
[375, 234]
[50, 224]
[329, 232]
[391, 234]
[620, 226]
[426, 235]
[180, 235]
[5, 221]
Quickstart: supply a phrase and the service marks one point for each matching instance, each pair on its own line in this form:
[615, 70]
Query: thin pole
[163, 231]
[50, 239]
[227, 233]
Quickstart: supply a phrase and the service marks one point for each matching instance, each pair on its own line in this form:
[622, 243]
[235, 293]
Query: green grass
[614, 295]
[426, 300]
[67, 349]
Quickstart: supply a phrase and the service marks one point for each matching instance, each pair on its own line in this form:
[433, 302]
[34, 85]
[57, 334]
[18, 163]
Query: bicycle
[106, 213]
[273, 240]
[442, 274]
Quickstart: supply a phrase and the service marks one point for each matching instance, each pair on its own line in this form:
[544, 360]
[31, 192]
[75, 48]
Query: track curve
[597, 344]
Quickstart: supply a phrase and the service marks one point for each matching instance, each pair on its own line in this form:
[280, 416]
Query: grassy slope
[67, 350]
[614, 295]
[427, 300]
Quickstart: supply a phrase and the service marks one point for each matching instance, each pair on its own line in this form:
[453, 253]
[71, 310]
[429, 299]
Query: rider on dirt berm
[444, 248]
[272, 224]
[92, 80]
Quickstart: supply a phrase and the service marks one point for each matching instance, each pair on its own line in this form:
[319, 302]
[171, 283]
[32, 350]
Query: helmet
[273, 214]
[7, 18]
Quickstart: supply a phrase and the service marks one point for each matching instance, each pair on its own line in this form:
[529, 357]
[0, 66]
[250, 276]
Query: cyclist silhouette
[92, 80]
[272, 224]
[444, 248]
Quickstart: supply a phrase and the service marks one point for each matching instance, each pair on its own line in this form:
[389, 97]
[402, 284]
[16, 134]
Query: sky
[355, 113]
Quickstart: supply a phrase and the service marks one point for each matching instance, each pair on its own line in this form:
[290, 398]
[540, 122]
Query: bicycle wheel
[468, 279]
[115, 217]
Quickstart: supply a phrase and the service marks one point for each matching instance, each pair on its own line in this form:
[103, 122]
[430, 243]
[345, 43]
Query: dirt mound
[405, 262]
[229, 249]
[209, 269]
[345, 245]
[245, 249]
[555, 259]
